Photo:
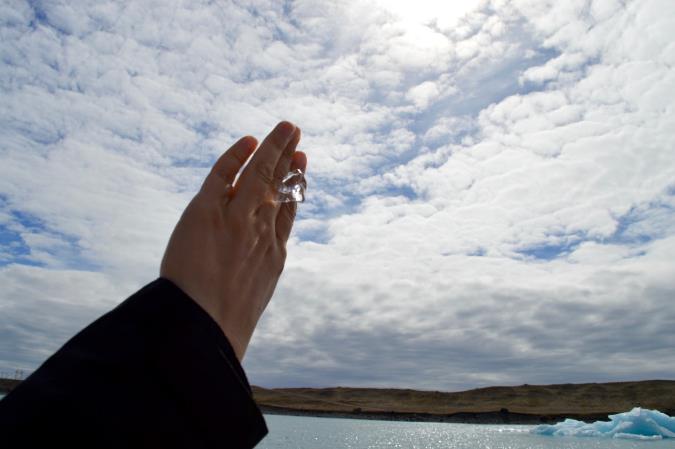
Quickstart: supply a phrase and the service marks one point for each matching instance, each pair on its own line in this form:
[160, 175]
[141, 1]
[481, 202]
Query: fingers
[286, 214]
[275, 157]
[299, 161]
[228, 165]
[284, 162]
[258, 177]
[269, 205]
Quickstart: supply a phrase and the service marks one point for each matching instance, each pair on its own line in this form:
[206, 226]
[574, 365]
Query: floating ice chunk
[292, 187]
[638, 424]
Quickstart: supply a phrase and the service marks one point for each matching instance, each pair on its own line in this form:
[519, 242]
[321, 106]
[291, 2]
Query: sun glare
[444, 13]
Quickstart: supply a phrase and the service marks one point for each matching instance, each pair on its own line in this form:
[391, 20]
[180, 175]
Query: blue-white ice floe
[638, 424]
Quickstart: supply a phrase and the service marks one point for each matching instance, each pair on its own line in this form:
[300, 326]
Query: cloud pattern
[491, 190]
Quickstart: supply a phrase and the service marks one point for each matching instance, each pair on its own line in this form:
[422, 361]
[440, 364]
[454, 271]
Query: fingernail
[285, 130]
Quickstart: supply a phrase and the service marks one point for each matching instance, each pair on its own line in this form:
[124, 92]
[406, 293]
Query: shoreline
[496, 417]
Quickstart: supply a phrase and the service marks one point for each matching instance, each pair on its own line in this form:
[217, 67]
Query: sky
[491, 184]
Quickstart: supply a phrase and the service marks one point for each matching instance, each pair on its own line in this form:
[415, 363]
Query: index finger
[257, 178]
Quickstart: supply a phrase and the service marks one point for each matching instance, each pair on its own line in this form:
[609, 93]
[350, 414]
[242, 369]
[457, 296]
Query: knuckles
[261, 227]
[261, 231]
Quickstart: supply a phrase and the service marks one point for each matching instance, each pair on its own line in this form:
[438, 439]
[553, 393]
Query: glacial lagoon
[300, 432]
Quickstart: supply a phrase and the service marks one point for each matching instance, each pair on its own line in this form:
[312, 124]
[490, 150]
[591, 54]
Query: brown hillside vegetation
[572, 399]
[7, 385]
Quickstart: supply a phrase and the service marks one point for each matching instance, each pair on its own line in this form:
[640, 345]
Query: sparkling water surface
[299, 432]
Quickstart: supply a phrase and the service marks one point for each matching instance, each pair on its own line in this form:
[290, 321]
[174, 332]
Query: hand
[229, 246]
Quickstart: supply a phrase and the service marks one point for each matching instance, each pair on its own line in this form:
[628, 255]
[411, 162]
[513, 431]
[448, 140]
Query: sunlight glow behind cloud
[443, 13]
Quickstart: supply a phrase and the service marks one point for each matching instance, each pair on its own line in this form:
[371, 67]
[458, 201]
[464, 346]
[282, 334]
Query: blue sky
[491, 184]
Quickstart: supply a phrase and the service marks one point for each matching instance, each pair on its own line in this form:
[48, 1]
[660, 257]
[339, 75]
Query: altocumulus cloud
[492, 188]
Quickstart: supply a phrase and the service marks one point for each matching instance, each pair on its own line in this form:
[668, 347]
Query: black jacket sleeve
[155, 372]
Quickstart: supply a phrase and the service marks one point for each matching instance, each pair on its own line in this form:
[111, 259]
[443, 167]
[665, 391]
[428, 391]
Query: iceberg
[638, 424]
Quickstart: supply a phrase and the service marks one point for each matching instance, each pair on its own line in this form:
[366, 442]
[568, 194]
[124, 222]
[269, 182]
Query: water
[296, 432]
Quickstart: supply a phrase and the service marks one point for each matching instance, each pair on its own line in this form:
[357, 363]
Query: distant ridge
[524, 404]
[7, 385]
[519, 404]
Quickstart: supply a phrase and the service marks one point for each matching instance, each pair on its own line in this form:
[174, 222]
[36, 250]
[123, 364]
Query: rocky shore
[498, 417]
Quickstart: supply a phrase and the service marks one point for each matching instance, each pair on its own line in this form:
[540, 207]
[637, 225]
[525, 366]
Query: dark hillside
[573, 400]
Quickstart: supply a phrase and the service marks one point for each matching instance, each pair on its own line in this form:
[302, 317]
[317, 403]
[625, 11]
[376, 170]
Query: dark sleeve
[155, 372]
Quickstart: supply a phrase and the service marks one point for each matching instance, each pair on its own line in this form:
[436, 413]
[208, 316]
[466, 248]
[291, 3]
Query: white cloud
[423, 94]
[484, 182]
[42, 309]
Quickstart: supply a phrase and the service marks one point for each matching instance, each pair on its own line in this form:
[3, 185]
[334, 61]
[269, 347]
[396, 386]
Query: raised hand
[229, 246]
